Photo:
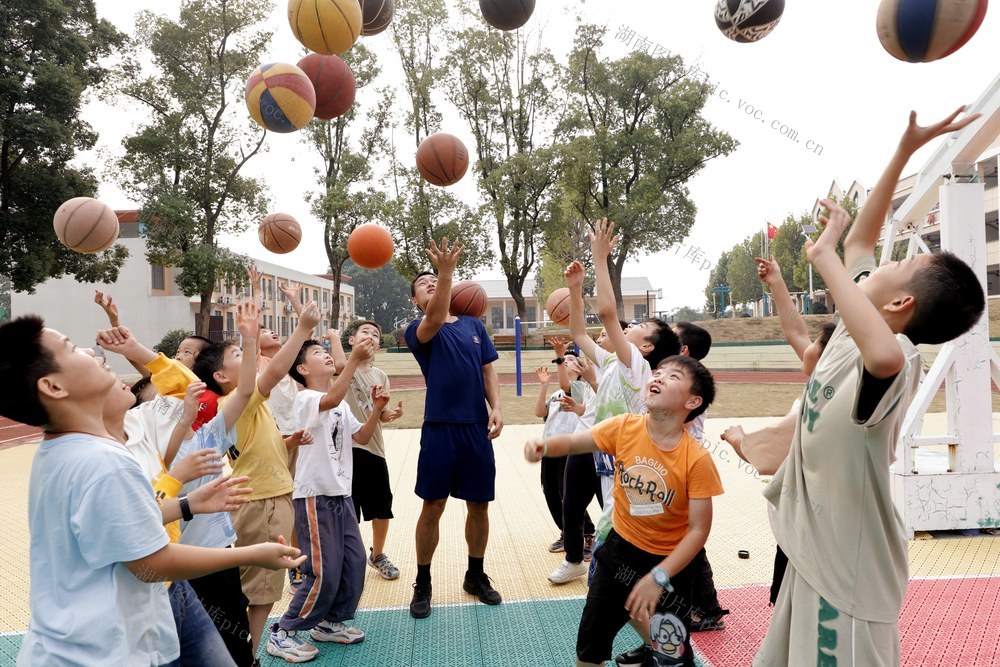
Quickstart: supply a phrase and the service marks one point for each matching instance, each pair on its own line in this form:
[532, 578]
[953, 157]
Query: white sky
[822, 72]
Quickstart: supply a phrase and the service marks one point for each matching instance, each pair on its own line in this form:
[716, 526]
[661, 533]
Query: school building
[151, 304]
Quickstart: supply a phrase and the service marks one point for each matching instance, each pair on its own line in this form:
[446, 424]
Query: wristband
[185, 508]
[558, 361]
[545, 448]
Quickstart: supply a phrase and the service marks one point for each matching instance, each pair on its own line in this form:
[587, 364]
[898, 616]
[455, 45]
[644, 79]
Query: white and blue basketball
[920, 31]
[748, 20]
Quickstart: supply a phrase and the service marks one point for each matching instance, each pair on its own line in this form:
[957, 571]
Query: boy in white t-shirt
[324, 513]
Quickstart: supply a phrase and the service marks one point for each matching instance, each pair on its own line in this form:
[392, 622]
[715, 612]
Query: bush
[171, 341]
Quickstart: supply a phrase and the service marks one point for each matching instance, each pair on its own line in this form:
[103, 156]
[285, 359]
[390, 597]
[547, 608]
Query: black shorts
[620, 566]
[456, 459]
[370, 489]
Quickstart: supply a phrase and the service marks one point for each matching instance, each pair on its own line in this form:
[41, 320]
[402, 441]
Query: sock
[423, 574]
[475, 565]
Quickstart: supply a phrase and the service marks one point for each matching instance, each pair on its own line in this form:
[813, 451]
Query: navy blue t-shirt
[452, 363]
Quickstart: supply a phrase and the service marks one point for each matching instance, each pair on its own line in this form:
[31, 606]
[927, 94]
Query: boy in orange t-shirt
[663, 487]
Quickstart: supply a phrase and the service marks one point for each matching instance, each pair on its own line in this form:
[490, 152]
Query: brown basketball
[85, 225]
[334, 83]
[557, 305]
[442, 159]
[376, 15]
[279, 233]
[507, 14]
[468, 298]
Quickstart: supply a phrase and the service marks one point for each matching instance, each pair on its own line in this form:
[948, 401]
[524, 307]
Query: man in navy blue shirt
[456, 453]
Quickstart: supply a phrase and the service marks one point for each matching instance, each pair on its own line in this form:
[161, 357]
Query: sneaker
[479, 585]
[384, 566]
[710, 622]
[295, 577]
[588, 547]
[286, 644]
[557, 547]
[337, 632]
[420, 605]
[634, 658]
[567, 572]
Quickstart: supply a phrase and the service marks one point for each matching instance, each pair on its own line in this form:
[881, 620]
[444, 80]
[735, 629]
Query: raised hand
[118, 340]
[445, 258]
[574, 275]
[292, 292]
[310, 315]
[380, 398]
[916, 136]
[834, 225]
[248, 319]
[769, 271]
[195, 465]
[191, 403]
[109, 307]
[569, 404]
[219, 495]
[363, 349]
[543, 375]
[602, 239]
[559, 345]
[255, 275]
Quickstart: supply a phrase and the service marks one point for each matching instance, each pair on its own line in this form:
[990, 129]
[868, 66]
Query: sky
[815, 101]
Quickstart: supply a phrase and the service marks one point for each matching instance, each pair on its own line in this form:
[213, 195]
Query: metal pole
[517, 352]
[810, 302]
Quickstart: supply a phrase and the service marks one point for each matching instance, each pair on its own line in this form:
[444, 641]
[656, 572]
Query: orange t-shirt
[652, 486]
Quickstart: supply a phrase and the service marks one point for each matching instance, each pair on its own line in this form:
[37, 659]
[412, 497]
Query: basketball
[279, 233]
[557, 305]
[920, 32]
[370, 246]
[748, 20]
[85, 225]
[333, 81]
[468, 298]
[442, 159]
[507, 14]
[376, 15]
[280, 97]
[325, 26]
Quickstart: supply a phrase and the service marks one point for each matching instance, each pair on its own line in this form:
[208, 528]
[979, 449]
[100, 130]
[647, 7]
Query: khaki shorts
[263, 521]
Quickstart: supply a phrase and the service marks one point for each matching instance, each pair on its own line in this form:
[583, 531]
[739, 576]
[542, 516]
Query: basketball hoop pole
[517, 352]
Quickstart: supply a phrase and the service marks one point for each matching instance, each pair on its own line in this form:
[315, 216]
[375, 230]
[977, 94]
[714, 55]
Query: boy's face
[890, 283]
[119, 400]
[638, 335]
[573, 366]
[269, 340]
[423, 290]
[670, 390]
[367, 331]
[80, 374]
[684, 348]
[188, 351]
[229, 375]
[604, 342]
[317, 366]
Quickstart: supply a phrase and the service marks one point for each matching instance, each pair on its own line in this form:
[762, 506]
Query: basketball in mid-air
[920, 31]
[748, 20]
[442, 159]
[370, 246]
[279, 233]
[85, 225]
[507, 14]
[468, 298]
[557, 305]
[376, 15]
[325, 26]
[333, 81]
[280, 97]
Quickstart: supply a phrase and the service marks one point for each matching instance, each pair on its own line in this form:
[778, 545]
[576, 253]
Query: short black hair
[664, 340]
[137, 389]
[356, 325]
[825, 332]
[624, 325]
[210, 360]
[697, 339]
[702, 382]
[204, 340]
[413, 283]
[299, 358]
[949, 300]
[24, 361]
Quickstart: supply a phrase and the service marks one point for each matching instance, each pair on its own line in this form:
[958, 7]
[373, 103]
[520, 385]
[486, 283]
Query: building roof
[497, 289]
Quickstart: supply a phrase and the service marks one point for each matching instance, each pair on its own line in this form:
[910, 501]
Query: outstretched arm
[247, 320]
[602, 241]
[792, 323]
[336, 350]
[285, 357]
[560, 445]
[543, 375]
[121, 340]
[342, 383]
[182, 561]
[445, 260]
[577, 319]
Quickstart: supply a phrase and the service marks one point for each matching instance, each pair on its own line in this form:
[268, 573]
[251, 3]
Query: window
[532, 312]
[230, 326]
[158, 279]
[497, 317]
[510, 317]
[270, 322]
[640, 311]
[316, 295]
[284, 326]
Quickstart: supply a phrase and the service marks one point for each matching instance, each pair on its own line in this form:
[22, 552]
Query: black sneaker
[479, 585]
[634, 658]
[420, 605]
[709, 623]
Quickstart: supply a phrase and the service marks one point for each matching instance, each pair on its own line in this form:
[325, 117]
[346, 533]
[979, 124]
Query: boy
[843, 589]
[664, 483]
[456, 459]
[260, 454]
[370, 491]
[335, 572]
[96, 532]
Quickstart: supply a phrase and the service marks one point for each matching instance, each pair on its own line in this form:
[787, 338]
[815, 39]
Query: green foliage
[741, 272]
[50, 56]
[713, 302]
[688, 314]
[171, 341]
[381, 294]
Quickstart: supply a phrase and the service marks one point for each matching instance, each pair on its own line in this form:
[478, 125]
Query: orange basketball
[442, 159]
[557, 305]
[370, 246]
[85, 225]
[468, 298]
[279, 233]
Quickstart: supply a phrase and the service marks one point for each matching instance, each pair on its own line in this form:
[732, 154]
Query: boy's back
[84, 601]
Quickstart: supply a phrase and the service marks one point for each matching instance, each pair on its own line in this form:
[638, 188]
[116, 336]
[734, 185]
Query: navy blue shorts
[456, 460]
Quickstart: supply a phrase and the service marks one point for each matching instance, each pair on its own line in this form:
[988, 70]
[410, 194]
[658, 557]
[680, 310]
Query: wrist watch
[186, 509]
[558, 360]
[661, 577]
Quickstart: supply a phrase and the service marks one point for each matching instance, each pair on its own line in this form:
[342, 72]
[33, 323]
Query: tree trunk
[615, 269]
[203, 318]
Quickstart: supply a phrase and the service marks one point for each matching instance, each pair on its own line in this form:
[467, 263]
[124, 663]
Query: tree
[713, 302]
[184, 165]
[635, 132]
[564, 240]
[800, 270]
[787, 246]
[741, 271]
[503, 90]
[50, 55]
[382, 295]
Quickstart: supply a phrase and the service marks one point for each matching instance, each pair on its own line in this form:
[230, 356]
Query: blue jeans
[200, 642]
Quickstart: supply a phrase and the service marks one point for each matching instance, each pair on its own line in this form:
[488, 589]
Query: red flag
[771, 230]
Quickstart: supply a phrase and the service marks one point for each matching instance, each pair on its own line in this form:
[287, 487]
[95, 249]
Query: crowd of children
[128, 487]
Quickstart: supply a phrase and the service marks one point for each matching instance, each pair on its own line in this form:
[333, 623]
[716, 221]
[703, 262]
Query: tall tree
[382, 295]
[634, 128]
[503, 89]
[714, 302]
[421, 211]
[564, 240]
[50, 56]
[185, 164]
[741, 271]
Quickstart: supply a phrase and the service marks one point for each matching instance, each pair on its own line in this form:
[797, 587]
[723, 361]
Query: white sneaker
[286, 644]
[337, 632]
[567, 572]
